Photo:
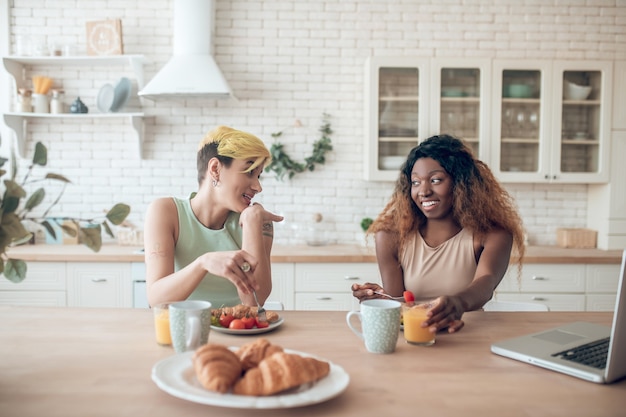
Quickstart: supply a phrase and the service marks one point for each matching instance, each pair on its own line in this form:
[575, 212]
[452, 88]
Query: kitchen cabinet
[44, 285]
[516, 115]
[408, 100]
[283, 288]
[562, 287]
[17, 67]
[601, 287]
[326, 286]
[541, 133]
[93, 284]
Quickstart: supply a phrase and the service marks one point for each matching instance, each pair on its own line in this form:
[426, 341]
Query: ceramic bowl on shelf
[391, 162]
[573, 91]
[518, 91]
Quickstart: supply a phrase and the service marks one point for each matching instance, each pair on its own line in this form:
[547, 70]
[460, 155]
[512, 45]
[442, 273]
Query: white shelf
[18, 122]
[16, 67]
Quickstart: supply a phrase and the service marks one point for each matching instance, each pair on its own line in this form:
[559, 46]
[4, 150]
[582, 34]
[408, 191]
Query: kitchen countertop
[97, 362]
[298, 254]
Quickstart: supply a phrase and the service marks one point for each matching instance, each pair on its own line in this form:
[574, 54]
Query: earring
[214, 183]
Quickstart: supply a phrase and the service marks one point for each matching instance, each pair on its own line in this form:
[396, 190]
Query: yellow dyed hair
[226, 144]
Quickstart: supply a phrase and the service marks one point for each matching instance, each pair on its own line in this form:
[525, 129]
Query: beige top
[430, 273]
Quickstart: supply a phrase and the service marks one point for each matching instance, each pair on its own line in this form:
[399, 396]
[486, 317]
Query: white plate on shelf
[123, 90]
[254, 330]
[105, 98]
[176, 376]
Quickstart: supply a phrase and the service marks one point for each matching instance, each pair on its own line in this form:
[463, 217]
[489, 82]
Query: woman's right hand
[230, 265]
[366, 291]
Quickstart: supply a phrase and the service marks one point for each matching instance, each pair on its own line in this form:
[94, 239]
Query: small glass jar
[57, 104]
[24, 100]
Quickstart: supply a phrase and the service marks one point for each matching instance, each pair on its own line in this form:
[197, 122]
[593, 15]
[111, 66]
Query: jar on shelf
[24, 100]
[57, 104]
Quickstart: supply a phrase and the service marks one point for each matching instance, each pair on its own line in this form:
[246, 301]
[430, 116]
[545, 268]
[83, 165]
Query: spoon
[401, 299]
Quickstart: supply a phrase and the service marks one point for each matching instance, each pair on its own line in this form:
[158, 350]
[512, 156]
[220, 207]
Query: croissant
[252, 354]
[280, 372]
[217, 367]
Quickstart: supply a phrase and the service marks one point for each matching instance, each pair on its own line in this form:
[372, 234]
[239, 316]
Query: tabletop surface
[98, 362]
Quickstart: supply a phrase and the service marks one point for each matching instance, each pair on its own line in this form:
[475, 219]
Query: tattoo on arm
[268, 229]
[156, 252]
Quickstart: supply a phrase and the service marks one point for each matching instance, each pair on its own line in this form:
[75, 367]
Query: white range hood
[192, 71]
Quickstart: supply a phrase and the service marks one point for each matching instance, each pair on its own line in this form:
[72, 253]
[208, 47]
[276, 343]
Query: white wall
[290, 60]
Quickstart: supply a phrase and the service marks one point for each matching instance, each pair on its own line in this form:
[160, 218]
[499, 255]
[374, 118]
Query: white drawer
[601, 302]
[556, 302]
[330, 277]
[326, 301]
[33, 298]
[545, 278]
[39, 276]
[602, 278]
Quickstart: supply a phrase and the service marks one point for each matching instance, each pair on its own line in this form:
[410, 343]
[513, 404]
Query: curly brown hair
[480, 203]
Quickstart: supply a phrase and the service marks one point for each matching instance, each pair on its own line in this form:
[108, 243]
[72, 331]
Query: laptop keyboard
[592, 354]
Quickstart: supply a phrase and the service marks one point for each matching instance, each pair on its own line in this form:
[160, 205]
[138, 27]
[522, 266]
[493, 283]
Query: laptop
[584, 350]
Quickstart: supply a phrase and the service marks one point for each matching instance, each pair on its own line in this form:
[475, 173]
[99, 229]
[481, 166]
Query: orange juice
[162, 325]
[414, 333]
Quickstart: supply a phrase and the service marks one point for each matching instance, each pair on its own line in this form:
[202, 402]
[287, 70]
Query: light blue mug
[190, 323]
[380, 324]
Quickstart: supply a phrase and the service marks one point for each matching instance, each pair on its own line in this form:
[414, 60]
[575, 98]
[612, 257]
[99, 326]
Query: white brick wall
[288, 60]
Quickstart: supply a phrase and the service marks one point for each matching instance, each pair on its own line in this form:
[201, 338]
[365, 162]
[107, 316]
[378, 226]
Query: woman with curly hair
[446, 234]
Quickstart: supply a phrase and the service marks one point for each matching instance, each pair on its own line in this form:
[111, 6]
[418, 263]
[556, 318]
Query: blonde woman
[216, 244]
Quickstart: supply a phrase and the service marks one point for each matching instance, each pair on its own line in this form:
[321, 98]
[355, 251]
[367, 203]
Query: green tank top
[195, 239]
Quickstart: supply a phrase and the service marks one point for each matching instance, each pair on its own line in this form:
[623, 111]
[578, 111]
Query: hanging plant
[282, 164]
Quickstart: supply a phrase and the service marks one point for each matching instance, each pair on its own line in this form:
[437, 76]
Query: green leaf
[107, 229]
[46, 224]
[13, 227]
[58, 177]
[70, 230]
[35, 199]
[118, 213]
[41, 154]
[91, 237]
[10, 204]
[15, 270]
[13, 189]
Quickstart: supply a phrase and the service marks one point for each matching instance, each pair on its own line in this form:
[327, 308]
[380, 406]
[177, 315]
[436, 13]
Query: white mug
[380, 324]
[190, 323]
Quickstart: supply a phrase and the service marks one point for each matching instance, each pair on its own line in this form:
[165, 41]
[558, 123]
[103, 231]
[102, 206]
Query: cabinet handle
[98, 280]
[536, 278]
[323, 298]
[538, 299]
[351, 278]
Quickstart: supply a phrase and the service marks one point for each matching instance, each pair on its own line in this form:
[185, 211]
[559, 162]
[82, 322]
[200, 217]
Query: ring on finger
[245, 267]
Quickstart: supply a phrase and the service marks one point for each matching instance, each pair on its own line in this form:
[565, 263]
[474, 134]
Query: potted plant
[16, 209]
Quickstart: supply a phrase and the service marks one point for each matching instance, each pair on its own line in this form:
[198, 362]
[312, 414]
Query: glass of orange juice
[162, 324]
[414, 333]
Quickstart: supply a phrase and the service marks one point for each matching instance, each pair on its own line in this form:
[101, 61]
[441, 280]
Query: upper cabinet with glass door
[460, 104]
[409, 100]
[581, 130]
[396, 113]
[521, 113]
[546, 132]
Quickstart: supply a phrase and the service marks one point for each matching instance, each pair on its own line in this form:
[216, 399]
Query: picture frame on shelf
[104, 37]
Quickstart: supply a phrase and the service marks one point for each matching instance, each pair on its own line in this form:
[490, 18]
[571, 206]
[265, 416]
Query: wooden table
[97, 362]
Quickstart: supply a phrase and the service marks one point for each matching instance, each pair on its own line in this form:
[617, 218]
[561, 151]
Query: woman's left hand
[446, 312]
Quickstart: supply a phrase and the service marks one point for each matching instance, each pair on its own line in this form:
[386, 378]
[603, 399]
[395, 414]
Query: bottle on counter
[57, 104]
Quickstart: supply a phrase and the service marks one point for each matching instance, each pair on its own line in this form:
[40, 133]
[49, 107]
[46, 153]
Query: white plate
[105, 98]
[175, 375]
[255, 330]
[122, 94]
